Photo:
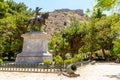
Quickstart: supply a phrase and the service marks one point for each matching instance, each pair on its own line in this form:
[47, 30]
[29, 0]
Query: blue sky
[51, 5]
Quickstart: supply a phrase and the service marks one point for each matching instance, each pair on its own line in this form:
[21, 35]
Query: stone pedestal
[35, 48]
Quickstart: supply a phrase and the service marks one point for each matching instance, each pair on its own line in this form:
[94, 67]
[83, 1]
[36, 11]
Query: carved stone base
[35, 48]
[33, 57]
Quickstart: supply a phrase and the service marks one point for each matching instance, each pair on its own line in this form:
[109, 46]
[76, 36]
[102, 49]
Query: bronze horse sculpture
[39, 20]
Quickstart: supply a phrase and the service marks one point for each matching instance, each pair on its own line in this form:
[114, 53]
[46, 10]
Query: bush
[118, 55]
[116, 47]
[58, 60]
[47, 62]
[1, 61]
[68, 61]
[77, 57]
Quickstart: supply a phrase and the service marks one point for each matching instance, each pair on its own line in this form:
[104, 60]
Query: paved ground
[99, 71]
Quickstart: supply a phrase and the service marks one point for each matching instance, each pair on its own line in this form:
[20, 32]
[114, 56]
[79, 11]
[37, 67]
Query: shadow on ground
[114, 76]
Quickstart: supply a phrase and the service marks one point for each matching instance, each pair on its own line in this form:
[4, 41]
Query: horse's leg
[45, 28]
[45, 25]
[40, 24]
[32, 26]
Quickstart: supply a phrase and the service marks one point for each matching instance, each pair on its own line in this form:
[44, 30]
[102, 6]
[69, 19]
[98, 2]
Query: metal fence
[29, 68]
[37, 68]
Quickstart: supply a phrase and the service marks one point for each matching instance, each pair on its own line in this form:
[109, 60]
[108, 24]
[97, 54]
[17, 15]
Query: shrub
[1, 61]
[68, 61]
[75, 59]
[47, 62]
[58, 60]
[118, 55]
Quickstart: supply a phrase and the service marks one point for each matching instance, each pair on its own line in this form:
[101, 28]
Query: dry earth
[99, 71]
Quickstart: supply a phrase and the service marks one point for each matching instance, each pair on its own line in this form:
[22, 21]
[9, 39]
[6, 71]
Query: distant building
[78, 11]
[63, 10]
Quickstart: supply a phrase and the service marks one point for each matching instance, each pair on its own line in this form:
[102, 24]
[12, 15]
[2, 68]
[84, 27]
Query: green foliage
[100, 32]
[97, 13]
[12, 26]
[68, 61]
[72, 40]
[107, 4]
[58, 60]
[15, 8]
[116, 48]
[1, 61]
[107, 31]
[78, 57]
[3, 8]
[47, 62]
[118, 55]
[56, 44]
[75, 35]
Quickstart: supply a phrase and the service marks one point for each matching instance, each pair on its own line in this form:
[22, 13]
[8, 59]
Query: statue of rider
[39, 19]
[38, 15]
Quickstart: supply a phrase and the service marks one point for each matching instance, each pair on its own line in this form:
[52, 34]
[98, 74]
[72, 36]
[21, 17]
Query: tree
[91, 36]
[109, 28]
[107, 4]
[12, 26]
[74, 36]
[103, 31]
[116, 48]
[3, 8]
[73, 39]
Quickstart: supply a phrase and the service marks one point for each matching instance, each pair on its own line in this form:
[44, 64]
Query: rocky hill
[61, 18]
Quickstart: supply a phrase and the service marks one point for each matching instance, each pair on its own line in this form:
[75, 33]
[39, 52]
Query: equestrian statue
[39, 20]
